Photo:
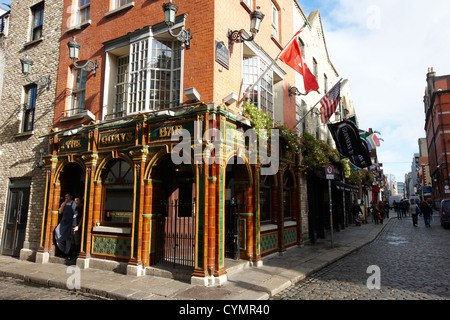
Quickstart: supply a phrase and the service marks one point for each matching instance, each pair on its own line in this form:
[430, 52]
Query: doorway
[16, 217]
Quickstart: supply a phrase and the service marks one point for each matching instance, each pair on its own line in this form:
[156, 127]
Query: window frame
[78, 88]
[29, 110]
[84, 11]
[250, 78]
[121, 3]
[275, 22]
[144, 76]
[37, 21]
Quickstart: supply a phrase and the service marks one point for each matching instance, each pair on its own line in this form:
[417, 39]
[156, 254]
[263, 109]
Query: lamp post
[74, 53]
[170, 9]
[27, 66]
[238, 35]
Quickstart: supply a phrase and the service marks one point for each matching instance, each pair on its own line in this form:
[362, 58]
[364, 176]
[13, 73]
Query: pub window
[265, 197]
[262, 94]
[78, 92]
[84, 10]
[145, 76]
[120, 3]
[275, 22]
[29, 108]
[118, 182]
[37, 21]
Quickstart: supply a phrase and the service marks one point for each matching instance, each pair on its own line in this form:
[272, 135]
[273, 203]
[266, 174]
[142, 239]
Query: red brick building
[437, 124]
[111, 142]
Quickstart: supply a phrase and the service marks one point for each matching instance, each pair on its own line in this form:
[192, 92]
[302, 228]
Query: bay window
[144, 76]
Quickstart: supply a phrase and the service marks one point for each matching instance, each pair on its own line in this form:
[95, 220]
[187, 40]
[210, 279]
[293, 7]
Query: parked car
[445, 213]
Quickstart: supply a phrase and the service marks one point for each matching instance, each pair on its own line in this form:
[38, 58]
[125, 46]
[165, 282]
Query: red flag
[292, 56]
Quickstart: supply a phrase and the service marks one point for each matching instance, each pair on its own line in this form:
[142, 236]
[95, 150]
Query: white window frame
[275, 22]
[141, 92]
[120, 3]
[248, 3]
[83, 11]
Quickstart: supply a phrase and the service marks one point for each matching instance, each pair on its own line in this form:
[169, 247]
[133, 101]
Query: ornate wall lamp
[170, 10]
[237, 35]
[74, 52]
[27, 65]
[294, 91]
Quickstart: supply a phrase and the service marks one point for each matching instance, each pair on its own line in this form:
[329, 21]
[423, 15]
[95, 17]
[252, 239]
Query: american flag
[329, 103]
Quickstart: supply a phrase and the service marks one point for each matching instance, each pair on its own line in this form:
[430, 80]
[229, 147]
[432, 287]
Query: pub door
[16, 218]
[175, 208]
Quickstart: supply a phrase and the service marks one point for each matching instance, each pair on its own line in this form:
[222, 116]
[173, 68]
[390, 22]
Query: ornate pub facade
[149, 132]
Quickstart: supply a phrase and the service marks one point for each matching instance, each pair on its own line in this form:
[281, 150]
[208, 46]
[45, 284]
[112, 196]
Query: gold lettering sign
[119, 138]
[72, 144]
[169, 131]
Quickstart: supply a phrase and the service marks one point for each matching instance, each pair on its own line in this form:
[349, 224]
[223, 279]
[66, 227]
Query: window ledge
[24, 134]
[32, 42]
[86, 114]
[79, 26]
[120, 9]
[276, 42]
[119, 230]
[249, 10]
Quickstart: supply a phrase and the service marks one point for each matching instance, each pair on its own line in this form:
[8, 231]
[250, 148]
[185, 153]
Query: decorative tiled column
[90, 198]
[135, 264]
[257, 261]
[42, 256]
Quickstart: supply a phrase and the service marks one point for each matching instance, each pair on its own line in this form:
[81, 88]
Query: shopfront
[151, 199]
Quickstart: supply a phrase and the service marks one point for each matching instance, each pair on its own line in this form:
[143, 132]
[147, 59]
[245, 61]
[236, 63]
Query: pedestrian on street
[375, 213]
[64, 228]
[76, 228]
[425, 209]
[397, 209]
[414, 210]
[386, 209]
[356, 210]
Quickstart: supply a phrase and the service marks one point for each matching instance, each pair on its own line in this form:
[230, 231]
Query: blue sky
[384, 47]
[2, 2]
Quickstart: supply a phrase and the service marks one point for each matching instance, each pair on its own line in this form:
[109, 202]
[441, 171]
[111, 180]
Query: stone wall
[20, 151]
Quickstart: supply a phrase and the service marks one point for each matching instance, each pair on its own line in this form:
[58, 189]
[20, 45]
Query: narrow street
[413, 264]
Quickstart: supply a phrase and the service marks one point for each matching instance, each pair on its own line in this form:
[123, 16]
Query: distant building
[437, 118]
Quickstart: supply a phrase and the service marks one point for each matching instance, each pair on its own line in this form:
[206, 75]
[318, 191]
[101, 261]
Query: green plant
[262, 122]
[291, 137]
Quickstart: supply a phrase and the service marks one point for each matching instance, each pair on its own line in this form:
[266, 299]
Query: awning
[346, 187]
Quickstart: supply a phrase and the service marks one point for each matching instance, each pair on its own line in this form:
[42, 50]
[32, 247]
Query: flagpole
[271, 65]
[316, 104]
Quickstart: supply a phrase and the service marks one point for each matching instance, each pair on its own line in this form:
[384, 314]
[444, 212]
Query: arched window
[118, 179]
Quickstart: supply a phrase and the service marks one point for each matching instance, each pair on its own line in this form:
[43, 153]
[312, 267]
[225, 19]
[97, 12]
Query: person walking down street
[397, 209]
[76, 228]
[386, 209]
[375, 213]
[356, 210]
[64, 228]
[414, 210]
[403, 207]
[425, 209]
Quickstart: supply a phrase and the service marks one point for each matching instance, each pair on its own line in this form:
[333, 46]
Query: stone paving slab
[277, 273]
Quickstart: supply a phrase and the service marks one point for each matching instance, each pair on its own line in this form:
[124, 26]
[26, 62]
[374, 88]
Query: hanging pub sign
[222, 55]
[347, 139]
[349, 143]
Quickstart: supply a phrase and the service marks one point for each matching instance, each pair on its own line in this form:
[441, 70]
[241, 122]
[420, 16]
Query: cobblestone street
[413, 265]
[16, 289]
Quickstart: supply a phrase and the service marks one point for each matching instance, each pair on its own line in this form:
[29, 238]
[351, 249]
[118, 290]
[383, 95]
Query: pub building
[117, 116]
